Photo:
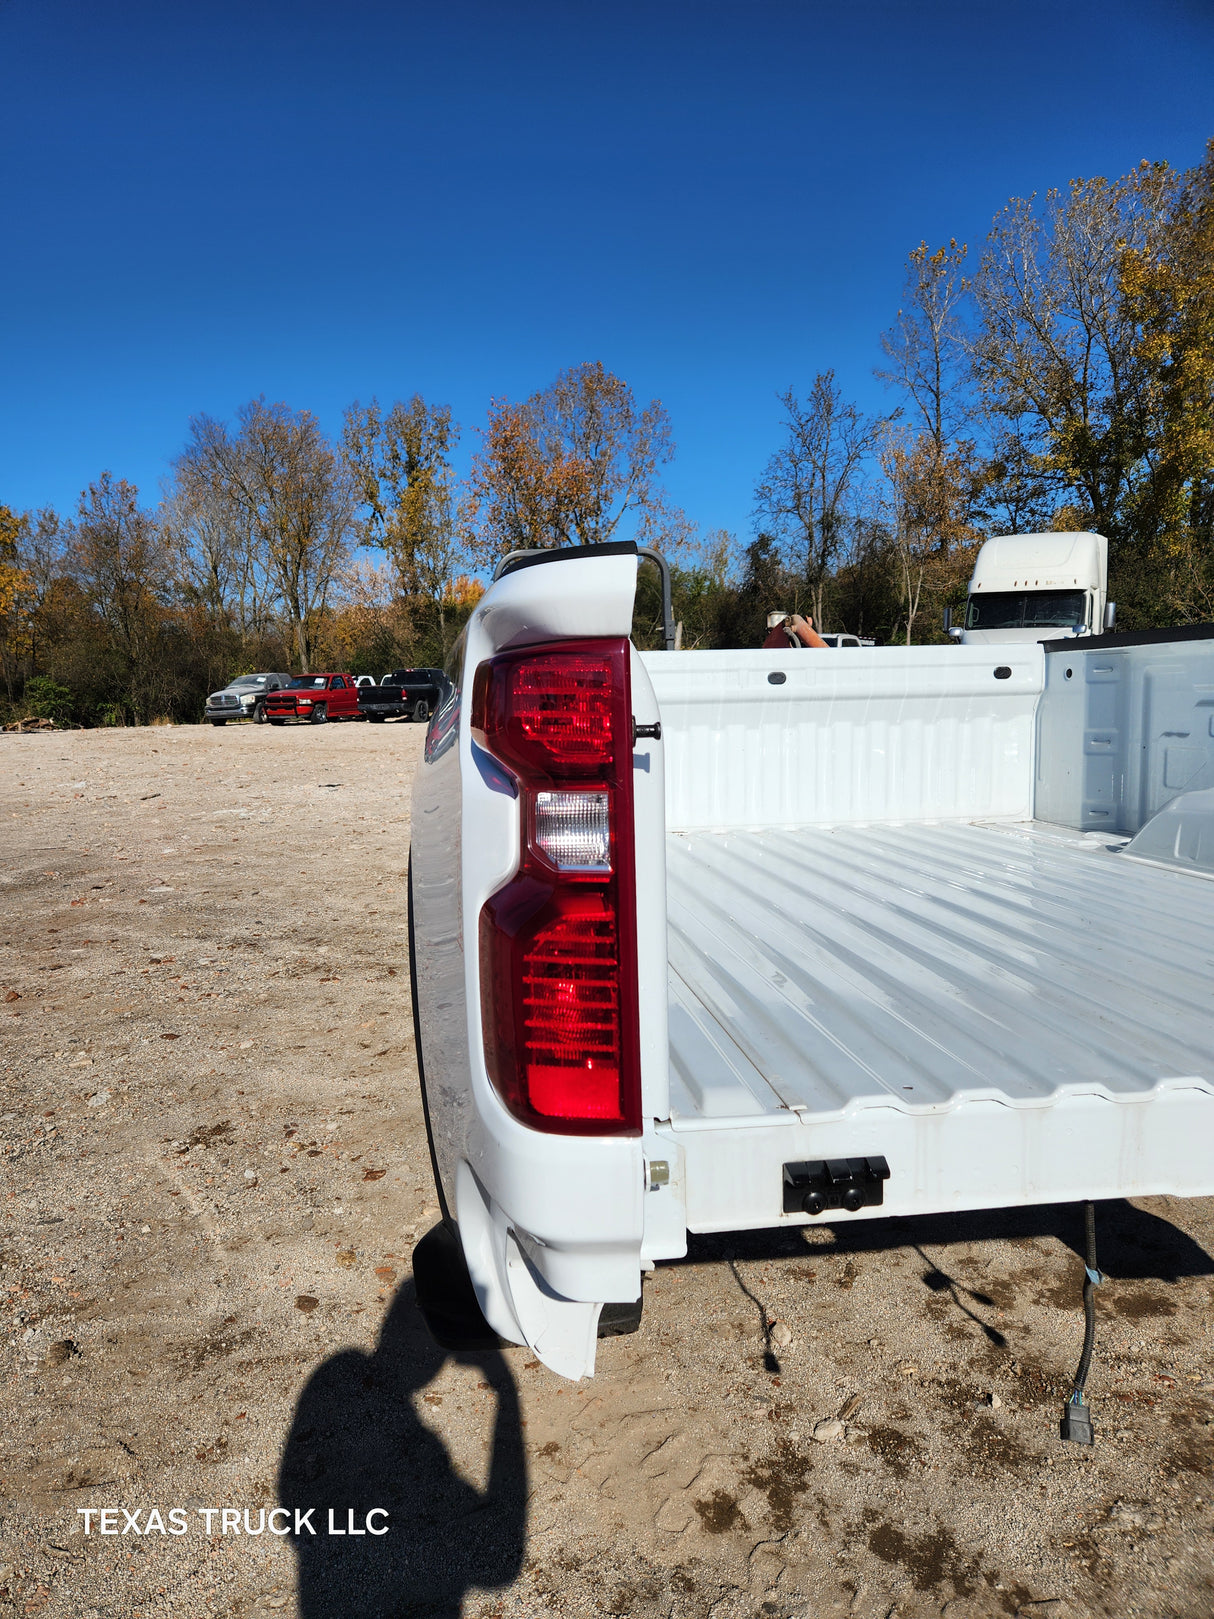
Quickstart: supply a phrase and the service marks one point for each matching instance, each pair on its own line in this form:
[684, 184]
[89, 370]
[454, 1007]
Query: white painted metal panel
[979, 1155]
[1053, 561]
[1122, 730]
[922, 965]
[1181, 835]
[649, 797]
[551, 1225]
[870, 733]
[953, 996]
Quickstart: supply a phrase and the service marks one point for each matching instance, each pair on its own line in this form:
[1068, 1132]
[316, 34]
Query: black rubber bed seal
[1102, 643]
[613, 548]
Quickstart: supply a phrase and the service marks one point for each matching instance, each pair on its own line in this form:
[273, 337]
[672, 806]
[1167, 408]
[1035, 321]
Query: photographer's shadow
[357, 1444]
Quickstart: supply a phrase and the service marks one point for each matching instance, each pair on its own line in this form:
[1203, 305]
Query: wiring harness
[1076, 1422]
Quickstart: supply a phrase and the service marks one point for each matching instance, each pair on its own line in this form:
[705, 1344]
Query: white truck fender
[514, 1298]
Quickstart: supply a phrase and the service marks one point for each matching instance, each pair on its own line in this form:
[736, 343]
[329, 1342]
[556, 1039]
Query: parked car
[243, 698]
[405, 694]
[315, 698]
[364, 680]
[838, 638]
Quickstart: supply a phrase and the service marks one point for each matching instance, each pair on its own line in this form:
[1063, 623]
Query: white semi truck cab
[1036, 587]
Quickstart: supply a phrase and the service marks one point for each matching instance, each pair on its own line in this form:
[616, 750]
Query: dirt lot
[214, 1172]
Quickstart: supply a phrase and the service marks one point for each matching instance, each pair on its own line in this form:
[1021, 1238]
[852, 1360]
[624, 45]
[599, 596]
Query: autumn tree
[370, 627]
[401, 464]
[117, 557]
[927, 355]
[1018, 496]
[222, 562]
[803, 497]
[926, 352]
[930, 499]
[1168, 293]
[41, 540]
[1056, 353]
[14, 596]
[576, 464]
[298, 497]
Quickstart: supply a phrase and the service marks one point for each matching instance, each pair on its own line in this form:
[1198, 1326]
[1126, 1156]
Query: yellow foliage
[465, 591]
[1068, 519]
[1169, 295]
[15, 586]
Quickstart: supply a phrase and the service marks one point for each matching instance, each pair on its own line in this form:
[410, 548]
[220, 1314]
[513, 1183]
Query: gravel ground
[214, 1170]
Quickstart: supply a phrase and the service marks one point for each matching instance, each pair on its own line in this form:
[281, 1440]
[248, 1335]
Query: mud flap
[515, 1300]
[562, 1332]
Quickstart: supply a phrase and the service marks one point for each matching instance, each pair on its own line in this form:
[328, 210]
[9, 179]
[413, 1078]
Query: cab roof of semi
[1041, 562]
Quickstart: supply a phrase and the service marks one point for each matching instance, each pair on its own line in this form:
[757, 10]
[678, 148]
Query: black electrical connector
[1077, 1424]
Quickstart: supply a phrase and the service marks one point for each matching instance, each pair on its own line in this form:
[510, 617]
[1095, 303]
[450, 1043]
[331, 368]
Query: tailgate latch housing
[818, 1184]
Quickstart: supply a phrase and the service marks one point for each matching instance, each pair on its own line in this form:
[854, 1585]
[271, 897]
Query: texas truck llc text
[231, 1521]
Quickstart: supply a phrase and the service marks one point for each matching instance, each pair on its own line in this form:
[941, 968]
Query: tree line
[1061, 377]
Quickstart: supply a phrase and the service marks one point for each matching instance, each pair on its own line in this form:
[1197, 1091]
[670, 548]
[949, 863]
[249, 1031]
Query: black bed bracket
[819, 1184]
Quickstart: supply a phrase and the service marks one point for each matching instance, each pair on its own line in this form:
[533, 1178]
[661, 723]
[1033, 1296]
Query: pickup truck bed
[917, 930]
[872, 985]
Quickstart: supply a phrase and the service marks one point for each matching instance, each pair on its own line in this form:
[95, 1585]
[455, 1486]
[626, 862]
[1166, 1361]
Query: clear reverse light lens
[573, 830]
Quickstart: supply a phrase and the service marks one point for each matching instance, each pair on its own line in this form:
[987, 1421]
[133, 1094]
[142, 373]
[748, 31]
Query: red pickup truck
[315, 698]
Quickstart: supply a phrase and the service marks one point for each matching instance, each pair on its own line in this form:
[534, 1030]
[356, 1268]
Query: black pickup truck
[405, 694]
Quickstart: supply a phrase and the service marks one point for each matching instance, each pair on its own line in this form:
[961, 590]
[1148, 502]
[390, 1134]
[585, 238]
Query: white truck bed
[906, 989]
[884, 945]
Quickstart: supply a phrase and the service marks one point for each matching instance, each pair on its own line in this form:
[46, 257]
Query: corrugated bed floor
[828, 968]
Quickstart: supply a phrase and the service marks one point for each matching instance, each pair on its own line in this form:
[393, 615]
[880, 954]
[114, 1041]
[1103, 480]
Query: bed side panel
[1123, 730]
[767, 738]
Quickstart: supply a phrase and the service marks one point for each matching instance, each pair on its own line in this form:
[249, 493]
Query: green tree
[46, 699]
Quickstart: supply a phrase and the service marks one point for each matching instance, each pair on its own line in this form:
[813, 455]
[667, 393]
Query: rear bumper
[979, 1154]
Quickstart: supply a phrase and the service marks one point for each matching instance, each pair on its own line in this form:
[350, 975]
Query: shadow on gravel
[357, 1444]
[937, 1280]
[1132, 1245]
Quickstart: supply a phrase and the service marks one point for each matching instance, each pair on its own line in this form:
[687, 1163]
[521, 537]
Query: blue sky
[321, 202]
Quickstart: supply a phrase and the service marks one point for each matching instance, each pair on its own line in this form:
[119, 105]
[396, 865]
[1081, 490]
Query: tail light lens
[558, 941]
[550, 712]
[573, 830]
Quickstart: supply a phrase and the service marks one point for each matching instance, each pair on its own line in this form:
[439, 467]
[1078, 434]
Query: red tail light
[558, 942]
[548, 713]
